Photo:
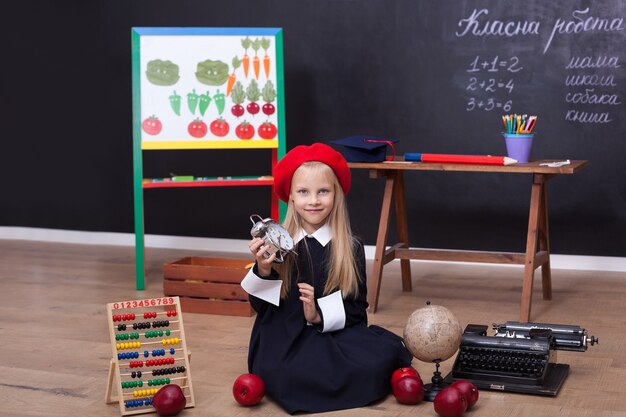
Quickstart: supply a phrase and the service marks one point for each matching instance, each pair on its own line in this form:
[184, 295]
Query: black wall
[374, 67]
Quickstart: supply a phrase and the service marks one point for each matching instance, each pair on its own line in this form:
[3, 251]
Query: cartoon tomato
[219, 127]
[244, 131]
[197, 128]
[152, 125]
[267, 130]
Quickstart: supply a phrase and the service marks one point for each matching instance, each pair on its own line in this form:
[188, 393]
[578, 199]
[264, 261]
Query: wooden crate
[208, 285]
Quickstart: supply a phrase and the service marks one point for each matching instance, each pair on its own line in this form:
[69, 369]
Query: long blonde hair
[342, 268]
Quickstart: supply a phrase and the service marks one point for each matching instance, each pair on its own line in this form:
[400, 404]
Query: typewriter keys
[274, 235]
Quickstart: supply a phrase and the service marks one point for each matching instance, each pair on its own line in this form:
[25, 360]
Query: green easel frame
[143, 142]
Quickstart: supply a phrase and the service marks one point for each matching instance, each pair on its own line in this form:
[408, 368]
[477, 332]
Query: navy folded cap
[365, 148]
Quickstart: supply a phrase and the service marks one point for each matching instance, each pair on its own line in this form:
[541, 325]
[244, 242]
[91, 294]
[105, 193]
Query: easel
[160, 40]
[172, 336]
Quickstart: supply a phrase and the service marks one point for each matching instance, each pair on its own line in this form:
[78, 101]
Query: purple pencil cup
[518, 146]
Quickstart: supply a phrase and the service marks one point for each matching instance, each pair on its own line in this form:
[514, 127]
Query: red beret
[300, 154]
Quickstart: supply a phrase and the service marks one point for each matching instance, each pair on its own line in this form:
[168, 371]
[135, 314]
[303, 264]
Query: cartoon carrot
[265, 44]
[245, 43]
[256, 63]
[232, 77]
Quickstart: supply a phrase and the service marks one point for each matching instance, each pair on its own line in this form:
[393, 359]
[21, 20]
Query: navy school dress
[307, 370]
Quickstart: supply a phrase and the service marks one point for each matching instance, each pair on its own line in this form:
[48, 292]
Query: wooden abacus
[147, 339]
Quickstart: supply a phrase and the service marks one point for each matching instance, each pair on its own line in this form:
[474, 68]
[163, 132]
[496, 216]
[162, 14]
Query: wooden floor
[55, 345]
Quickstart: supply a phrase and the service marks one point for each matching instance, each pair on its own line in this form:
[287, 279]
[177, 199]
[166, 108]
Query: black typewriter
[521, 357]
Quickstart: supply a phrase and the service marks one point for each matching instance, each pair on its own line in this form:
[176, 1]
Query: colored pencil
[519, 124]
[459, 159]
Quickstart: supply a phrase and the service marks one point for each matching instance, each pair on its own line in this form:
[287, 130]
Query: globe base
[438, 383]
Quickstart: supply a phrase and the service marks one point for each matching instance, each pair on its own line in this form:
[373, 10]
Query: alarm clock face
[279, 237]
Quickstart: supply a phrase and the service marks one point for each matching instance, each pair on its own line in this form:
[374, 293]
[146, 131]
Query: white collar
[323, 235]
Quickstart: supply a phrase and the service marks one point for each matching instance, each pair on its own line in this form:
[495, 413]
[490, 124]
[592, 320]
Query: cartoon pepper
[205, 100]
[220, 101]
[175, 102]
[192, 101]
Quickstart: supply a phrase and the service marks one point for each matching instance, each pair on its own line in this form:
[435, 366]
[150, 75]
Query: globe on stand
[432, 334]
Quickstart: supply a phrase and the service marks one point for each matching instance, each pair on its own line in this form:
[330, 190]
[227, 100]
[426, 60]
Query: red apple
[469, 390]
[400, 372]
[248, 389]
[169, 400]
[408, 390]
[450, 402]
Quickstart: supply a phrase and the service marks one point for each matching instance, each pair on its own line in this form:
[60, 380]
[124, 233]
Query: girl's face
[313, 196]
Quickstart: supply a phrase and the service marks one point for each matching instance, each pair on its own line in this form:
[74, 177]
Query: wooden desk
[537, 240]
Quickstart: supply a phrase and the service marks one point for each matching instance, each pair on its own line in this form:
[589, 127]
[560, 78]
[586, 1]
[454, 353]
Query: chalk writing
[490, 85]
[589, 96]
[495, 64]
[592, 78]
[492, 75]
[473, 25]
[580, 24]
[587, 117]
[478, 25]
[589, 62]
[488, 104]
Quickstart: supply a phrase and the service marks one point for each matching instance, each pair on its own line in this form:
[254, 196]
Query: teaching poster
[197, 88]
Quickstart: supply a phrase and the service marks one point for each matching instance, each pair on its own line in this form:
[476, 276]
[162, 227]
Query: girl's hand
[307, 296]
[259, 249]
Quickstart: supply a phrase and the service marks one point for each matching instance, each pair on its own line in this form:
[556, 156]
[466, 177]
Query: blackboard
[411, 70]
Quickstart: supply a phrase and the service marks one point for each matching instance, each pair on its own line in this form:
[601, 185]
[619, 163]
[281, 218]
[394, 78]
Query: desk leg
[537, 219]
[544, 241]
[381, 242]
[403, 231]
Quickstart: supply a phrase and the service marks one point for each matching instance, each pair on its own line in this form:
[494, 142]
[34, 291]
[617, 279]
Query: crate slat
[209, 285]
[219, 307]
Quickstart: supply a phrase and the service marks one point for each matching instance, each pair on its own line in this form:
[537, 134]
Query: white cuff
[333, 312]
[265, 289]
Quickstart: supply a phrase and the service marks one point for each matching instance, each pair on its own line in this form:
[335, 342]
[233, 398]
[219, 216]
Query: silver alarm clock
[274, 235]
